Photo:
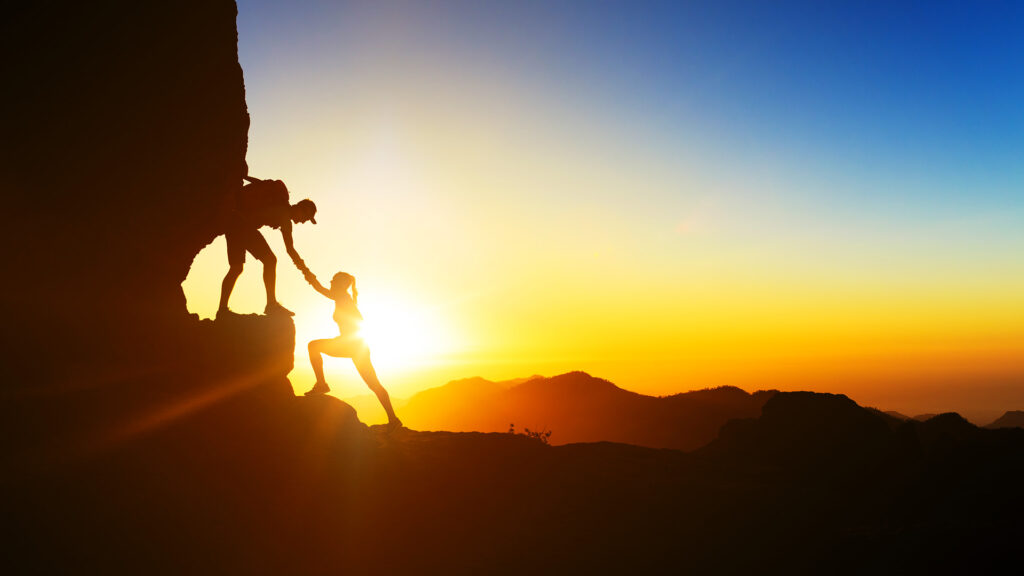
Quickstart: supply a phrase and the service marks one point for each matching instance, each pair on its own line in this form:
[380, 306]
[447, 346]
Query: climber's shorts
[241, 240]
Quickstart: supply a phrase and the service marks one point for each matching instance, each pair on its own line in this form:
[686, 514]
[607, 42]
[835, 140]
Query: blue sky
[925, 96]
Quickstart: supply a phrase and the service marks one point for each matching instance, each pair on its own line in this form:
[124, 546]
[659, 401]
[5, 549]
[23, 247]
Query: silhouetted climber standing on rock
[348, 343]
[262, 203]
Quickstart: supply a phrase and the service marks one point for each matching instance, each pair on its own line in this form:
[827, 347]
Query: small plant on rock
[543, 435]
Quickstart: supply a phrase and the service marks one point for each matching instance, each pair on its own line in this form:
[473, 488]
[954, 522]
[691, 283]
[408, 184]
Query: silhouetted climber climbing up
[262, 203]
[348, 343]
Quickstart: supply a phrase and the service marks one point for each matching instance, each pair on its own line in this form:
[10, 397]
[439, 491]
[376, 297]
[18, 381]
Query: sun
[402, 334]
[398, 334]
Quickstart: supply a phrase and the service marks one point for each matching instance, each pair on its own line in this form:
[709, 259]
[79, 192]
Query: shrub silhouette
[543, 435]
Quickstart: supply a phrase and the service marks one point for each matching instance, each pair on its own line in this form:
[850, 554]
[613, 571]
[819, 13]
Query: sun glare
[402, 336]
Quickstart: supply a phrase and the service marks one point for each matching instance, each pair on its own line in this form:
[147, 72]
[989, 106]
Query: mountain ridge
[1010, 419]
[578, 407]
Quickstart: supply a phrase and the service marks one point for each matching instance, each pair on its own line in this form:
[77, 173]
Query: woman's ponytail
[355, 293]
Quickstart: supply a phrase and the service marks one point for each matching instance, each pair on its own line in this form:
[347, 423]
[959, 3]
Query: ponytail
[355, 293]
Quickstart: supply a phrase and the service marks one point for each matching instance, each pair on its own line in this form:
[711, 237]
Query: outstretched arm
[286, 235]
[311, 278]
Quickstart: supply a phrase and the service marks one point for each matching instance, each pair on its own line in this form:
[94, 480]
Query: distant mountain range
[1012, 419]
[578, 407]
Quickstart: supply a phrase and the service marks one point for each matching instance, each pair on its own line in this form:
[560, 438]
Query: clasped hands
[306, 272]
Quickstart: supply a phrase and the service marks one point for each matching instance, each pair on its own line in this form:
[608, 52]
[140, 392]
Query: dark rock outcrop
[127, 130]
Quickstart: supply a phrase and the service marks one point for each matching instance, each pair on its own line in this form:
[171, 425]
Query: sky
[668, 195]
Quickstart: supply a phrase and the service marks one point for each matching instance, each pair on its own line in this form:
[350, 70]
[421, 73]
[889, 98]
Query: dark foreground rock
[300, 486]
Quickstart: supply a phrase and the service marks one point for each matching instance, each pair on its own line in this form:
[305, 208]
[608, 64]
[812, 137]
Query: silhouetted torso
[346, 315]
[264, 204]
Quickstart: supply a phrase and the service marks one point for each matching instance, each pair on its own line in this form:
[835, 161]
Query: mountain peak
[574, 378]
[1012, 419]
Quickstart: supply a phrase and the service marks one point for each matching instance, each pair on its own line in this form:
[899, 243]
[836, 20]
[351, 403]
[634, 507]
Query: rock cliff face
[127, 126]
[127, 132]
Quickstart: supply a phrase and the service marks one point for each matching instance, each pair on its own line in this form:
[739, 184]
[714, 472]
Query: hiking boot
[319, 389]
[275, 308]
[394, 425]
[225, 313]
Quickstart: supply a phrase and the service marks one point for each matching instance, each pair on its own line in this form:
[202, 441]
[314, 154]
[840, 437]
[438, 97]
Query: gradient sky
[793, 195]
